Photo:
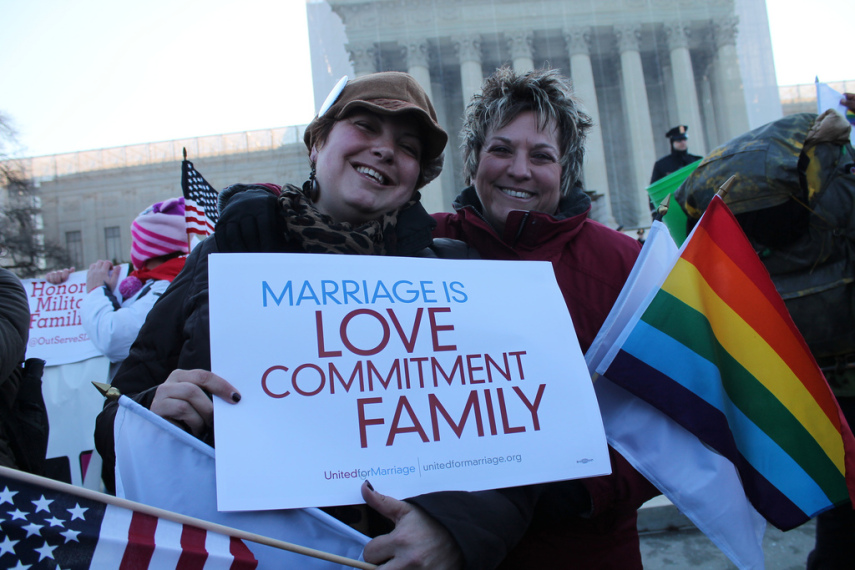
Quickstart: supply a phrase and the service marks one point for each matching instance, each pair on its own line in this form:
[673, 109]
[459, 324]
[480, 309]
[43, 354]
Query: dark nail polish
[370, 486]
[235, 397]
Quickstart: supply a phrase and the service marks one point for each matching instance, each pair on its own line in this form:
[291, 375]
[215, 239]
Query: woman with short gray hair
[523, 146]
[505, 94]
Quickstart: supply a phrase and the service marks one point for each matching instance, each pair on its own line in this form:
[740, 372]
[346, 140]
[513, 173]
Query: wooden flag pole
[179, 518]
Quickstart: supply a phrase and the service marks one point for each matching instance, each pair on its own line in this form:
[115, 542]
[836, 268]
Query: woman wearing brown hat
[370, 150]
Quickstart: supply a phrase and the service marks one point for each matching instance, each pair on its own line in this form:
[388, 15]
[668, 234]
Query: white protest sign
[56, 331]
[420, 375]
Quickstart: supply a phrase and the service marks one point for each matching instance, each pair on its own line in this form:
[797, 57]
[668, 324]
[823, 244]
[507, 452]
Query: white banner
[421, 375]
[56, 331]
[73, 404]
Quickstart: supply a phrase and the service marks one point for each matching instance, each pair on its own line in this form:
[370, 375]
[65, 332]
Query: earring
[310, 186]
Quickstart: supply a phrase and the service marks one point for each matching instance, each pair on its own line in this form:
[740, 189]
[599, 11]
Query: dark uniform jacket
[672, 163]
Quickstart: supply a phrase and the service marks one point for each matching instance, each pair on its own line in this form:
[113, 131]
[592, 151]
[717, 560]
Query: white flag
[158, 464]
[655, 260]
[828, 98]
[701, 483]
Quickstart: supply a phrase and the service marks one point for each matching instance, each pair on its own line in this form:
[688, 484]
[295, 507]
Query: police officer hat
[678, 133]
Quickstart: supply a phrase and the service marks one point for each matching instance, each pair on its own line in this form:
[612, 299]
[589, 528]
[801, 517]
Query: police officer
[679, 156]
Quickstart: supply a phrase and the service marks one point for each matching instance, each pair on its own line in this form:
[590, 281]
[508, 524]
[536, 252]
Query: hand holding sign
[59, 276]
[421, 375]
[101, 273]
[418, 540]
[183, 399]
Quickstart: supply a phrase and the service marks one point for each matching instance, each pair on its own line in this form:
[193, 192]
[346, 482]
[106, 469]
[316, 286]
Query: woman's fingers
[194, 412]
[418, 541]
[98, 274]
[208, 381]
[58, 276]
[184, 398]
[390, 508]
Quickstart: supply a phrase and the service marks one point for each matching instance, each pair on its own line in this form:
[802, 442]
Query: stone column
[520, 46]
[708, 105]
[731, 110]
[596, 177]
[468, 49]
[417, 57]
[685, 93]
[637, 113]
[362, 57]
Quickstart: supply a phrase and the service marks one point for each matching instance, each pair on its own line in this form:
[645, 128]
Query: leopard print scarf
[319, 233]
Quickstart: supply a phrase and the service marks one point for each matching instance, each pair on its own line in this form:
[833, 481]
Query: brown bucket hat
[388, 93]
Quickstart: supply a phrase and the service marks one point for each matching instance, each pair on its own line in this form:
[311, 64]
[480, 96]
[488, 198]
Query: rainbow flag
[716, 350]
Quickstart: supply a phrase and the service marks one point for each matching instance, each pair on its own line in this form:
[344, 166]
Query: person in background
[679, 156]
[834, 547]
[24, 426]
[523, 145]
[370, 153]
[112, 313]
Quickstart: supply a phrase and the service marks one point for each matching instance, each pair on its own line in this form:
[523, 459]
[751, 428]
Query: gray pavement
[669, 541]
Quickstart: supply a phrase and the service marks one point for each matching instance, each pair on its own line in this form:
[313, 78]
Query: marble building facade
[89, 198]
[639, 67]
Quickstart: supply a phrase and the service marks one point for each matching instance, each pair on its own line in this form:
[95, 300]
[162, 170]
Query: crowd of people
[370, 152]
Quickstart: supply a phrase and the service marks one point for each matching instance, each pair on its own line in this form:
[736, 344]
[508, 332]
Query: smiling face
[368, 165]
[519, 169]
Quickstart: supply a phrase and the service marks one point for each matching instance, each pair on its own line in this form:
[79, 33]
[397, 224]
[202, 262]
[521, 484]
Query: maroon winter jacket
[591, 264]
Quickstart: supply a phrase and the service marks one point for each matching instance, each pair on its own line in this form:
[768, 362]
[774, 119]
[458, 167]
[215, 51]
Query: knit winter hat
[159, 230]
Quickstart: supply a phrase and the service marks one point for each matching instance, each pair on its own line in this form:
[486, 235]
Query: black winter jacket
[176, 336]
[672, 163]
[14, 331]
[24, 425]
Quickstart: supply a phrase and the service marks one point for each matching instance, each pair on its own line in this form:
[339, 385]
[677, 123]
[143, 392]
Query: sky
[89, 74]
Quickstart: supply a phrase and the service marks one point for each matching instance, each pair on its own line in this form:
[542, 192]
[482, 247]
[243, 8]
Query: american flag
[42, 527]
[200, 201]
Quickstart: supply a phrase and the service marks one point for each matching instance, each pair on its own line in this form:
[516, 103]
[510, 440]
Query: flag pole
[725, 188]
[662, 209]
[179, 518]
